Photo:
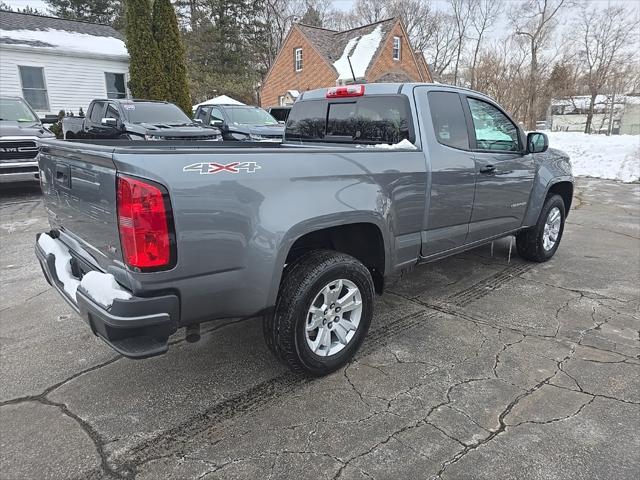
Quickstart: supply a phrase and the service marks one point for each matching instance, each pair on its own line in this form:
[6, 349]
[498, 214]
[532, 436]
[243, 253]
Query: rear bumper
[136, 328]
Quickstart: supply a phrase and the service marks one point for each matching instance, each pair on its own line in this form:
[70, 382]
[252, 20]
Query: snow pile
[69, 41]
[103, 288]
[63, 265]
[402, 145]
[616, 157]
[219, 100]
[363, 49]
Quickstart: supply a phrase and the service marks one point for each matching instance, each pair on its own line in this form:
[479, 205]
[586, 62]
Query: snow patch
[63, 265]
[402, 145]
[616, 157]
[103, 288]
[363, 48]
[69, 41]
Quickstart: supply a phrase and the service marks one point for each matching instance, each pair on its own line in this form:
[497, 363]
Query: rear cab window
[362, 120]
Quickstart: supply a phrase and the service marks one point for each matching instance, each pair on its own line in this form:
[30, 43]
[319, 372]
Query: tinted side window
[202, 114]
[494, 130]
[96, 112]
[216, 116]
[448, 119]
[307, 121]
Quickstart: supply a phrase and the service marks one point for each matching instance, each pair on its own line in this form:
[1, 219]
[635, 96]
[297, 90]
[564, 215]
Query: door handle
[488, 169]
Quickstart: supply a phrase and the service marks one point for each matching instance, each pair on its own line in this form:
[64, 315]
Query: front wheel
[540, 242]
[322, 314]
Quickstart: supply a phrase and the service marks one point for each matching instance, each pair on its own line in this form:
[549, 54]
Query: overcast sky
[339, 4]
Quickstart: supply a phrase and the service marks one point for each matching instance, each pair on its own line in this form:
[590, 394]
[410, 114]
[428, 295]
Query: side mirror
[112, 122]
[537, 142]
[197, 120]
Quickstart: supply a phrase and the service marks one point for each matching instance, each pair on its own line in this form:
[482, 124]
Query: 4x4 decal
[212, 167]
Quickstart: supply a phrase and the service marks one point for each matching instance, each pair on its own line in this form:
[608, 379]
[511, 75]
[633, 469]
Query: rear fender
[320, 223]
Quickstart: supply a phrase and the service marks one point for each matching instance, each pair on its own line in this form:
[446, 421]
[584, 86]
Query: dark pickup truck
[148, 237]
[242, 123]
[20, 131]
[136, 120]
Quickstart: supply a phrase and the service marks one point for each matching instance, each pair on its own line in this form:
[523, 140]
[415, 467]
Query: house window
[34, 88]
[115, 85]
[396, 48]
[297, 59]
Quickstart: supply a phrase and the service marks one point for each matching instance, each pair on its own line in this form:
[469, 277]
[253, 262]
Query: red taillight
[143, 224]
[346, 91]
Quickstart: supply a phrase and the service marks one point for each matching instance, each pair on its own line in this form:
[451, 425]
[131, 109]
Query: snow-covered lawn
[616, 157]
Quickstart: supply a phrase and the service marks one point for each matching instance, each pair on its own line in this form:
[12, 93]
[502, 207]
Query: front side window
[297, 59]
[494, 130]
[396, 48]
[112, 112]
[447, 116]
[217, 117]
[96, 112]
[115, 85]
[34, 88]
[202, 113]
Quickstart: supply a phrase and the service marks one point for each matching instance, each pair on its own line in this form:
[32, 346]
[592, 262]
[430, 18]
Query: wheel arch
[363, 238]
[543, 186]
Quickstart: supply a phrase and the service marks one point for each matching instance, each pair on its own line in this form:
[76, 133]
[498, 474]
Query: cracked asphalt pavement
[475, 367]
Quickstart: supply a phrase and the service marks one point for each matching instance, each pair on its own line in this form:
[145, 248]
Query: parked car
[280, 113]
[370, 181]
[20, 130]
[241, 122]
[136, 120]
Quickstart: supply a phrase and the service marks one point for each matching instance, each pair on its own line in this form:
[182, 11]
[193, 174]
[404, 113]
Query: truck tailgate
[79, 190]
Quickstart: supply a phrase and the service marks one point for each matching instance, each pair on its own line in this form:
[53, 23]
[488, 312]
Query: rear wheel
[540, 242]
[323, 312]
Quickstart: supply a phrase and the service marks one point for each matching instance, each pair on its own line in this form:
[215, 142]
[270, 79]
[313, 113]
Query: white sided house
[57, 64]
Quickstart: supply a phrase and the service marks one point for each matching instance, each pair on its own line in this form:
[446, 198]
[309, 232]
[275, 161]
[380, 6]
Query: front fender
[553, 166]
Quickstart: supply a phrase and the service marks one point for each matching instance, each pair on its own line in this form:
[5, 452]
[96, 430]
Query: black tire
[530, 243]
[285, 330]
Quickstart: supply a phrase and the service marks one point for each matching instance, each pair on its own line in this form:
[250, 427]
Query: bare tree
[535, 20]
[441, 48]
[417, 17]
[462, 13]
[607, 47]
[483, 15]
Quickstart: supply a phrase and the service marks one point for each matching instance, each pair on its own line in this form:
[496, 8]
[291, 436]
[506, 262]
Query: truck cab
[125, 119]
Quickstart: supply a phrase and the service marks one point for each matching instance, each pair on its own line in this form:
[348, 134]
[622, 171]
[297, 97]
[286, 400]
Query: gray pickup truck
[148, 237]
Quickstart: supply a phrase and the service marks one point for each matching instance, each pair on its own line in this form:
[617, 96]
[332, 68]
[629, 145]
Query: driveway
[475, 367]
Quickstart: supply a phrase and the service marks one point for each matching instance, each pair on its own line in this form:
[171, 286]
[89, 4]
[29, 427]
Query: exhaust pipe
[192, 333]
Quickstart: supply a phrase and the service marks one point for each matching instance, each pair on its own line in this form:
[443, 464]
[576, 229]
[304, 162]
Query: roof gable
[361, 44]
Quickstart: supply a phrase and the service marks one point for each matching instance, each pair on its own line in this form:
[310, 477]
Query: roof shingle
[24, 21]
